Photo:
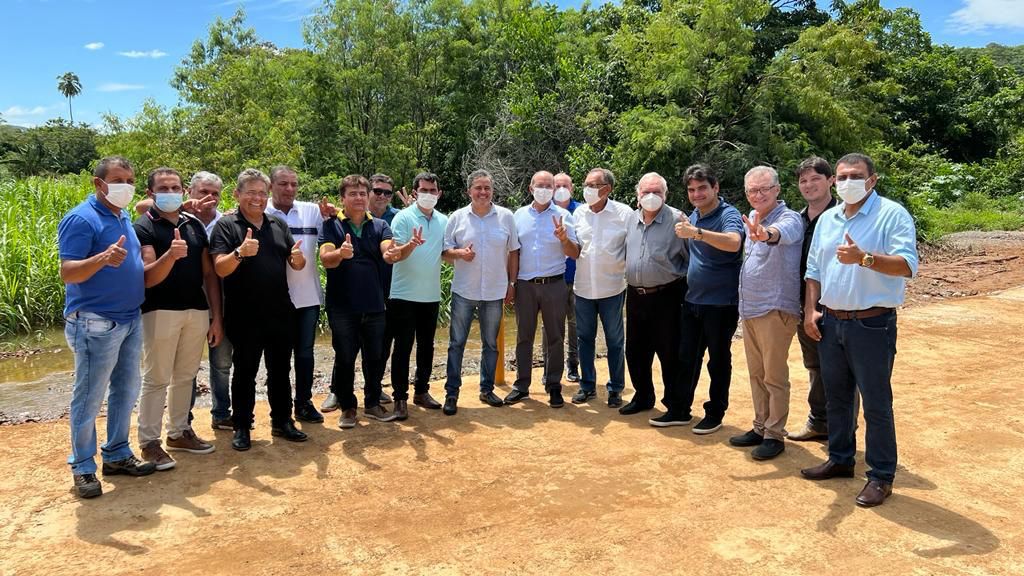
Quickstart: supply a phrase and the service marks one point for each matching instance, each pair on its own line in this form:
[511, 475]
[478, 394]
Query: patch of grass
[975, 211]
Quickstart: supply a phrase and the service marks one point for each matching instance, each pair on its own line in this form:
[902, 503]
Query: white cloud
[117, 87]
[141, 54]
[19, 111]
[28, 116]
[987, 15]
[94, 45]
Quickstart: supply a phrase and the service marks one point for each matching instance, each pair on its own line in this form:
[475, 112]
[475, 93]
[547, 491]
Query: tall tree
[70, 86]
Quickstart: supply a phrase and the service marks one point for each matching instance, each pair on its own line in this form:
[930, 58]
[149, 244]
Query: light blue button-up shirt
[770, 276]
[540, 253]
[493, 236]
[881, 226]
[418, 277]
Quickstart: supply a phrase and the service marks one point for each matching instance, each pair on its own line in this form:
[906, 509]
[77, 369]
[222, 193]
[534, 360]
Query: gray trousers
[573, 358]
[550, 300]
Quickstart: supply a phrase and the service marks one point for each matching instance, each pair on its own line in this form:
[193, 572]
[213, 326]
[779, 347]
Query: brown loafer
[874, 493]
[426, 400]
[827, 470]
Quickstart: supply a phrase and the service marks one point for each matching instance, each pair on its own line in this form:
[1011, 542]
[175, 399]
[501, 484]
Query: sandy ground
[532, 490]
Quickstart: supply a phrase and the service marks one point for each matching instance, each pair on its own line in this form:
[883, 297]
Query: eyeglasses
[761, 191]
[383, 192]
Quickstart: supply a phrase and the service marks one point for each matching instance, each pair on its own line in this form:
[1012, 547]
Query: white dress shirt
[601, 267]
[493, 236]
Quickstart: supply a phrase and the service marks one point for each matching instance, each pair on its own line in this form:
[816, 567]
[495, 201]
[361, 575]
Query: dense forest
[515, 86]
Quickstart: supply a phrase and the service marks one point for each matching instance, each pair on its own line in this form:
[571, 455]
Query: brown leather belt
[645, 291]
[545, 280]
[857, 314]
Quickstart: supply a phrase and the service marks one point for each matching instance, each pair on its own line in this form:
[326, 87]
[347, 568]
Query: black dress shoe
[401, 411]
[635, 408]
[241, 440]
[555, 400]
[874, 493]
[516, 396]
[451, 406]
[751, 438]
[308, 414]
[827, 470]
[289, 432]
[426, 400]
[614, 399]
[491, 399]
[768, 449]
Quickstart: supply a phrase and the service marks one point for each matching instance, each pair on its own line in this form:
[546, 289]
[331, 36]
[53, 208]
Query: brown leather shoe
[874, 493]
[401, 410]
[807, 433]
[426, 400]
[827, 470]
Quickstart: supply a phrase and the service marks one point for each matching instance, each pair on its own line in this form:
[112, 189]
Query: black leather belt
[545, 280]
[645, 291]
[857, 314]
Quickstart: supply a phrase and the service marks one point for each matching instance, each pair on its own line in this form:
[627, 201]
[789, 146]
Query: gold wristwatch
[867, 260]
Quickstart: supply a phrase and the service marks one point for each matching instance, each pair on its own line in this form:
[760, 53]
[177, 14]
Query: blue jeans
[859, 354]
[220, 381]
[107, 355]
[610, 311]
[305, 334]
[489, 312]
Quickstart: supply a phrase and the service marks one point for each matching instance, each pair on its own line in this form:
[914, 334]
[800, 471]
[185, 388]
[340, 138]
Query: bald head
[542, 179]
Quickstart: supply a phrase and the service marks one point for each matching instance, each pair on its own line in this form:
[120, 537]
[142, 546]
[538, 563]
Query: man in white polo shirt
[304, 220]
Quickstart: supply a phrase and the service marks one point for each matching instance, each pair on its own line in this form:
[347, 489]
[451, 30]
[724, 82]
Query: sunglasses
[382, 192]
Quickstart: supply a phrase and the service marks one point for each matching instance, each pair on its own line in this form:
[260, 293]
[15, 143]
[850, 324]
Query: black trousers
[270, 339]
[352, 332]
[409, 322]
[711, 328]
[652, 328]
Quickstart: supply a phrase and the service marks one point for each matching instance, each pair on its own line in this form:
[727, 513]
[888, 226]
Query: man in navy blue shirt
[563, 198]
[101, 266]
[710, 314]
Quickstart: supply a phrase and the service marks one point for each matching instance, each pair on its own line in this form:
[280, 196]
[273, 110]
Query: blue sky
[126, 51]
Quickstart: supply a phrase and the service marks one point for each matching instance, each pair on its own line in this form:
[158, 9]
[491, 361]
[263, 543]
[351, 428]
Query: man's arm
[513, 273]
[812, 292]
[78, 271]
[211, 282]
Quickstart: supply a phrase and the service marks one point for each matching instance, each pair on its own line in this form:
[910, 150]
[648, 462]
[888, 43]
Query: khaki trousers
[172, 347]
[766, 341]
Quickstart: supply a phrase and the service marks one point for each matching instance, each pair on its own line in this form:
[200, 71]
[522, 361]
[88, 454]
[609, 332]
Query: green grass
[975, 211]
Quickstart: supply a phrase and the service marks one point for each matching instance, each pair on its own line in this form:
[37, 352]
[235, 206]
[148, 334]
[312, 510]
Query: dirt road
[531, 490]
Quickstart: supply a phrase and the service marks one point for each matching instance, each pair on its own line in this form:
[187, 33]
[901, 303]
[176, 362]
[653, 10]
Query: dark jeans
[652, 328]
[858, 355]
[220, 381]
[350, 333]
[818, 417]
[305, 334]
[269, 338]
[711, 328]
[609, 310]
[412, 321]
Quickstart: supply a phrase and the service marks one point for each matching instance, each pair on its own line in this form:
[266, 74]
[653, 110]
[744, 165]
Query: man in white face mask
[101, 266]
[862, 252]
[547, 235]
[564, 199]
[416, 292]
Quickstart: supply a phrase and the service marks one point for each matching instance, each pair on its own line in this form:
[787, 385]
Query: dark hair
[381, 178]
[856, 158]
[276, 170]
[428, 176]
[352, 181]
[816, 163]
[104, 165]
[606, 176]
[151, 179]
[701, 173]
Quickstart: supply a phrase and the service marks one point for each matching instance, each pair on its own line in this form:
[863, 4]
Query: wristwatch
[238, 254]
[867, 260]
[700, 234]
[769, 232]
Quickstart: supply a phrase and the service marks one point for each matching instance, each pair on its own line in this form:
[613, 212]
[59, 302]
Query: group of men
[247, 284]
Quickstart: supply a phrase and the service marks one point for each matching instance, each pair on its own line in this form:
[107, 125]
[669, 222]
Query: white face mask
[562, 194]
[591, 195]
[120, 194]
[542, 195]
[426, 200]
[852, 191]
[651, 202]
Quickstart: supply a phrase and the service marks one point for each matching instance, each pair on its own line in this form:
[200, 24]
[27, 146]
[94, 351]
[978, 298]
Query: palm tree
[69, 85]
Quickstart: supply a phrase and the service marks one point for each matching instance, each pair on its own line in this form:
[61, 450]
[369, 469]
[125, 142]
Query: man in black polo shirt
[354, 249]
[175, 318]
[251, 250]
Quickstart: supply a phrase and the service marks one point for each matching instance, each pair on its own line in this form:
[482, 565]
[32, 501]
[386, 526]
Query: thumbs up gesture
[684, 228]
[560, 232]
[849, 253]
[755, 230]
[115, 254]
[179, 248]
[346, 249]
[250, 246]
[467, 253]
[297, 259]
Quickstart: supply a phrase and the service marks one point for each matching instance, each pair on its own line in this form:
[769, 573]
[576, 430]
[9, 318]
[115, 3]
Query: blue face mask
[167, 201]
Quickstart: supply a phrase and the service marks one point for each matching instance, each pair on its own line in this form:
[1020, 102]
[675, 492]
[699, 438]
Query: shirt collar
[369, 216]
[536, 213]
[831, 202]
[721, 204]
[867, 208]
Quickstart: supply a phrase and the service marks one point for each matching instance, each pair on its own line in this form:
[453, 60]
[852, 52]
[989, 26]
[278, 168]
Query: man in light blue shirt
[547, 236]
[481, 241]
[862, 252]
[416, 293]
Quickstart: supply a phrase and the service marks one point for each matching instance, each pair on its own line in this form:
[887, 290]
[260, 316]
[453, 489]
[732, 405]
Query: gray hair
[477, 174]
[606, 175]
[278, 170]
[204, 177]
[758, 170]
[104, 166]
[653, 176]
[249, 175]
